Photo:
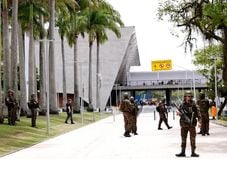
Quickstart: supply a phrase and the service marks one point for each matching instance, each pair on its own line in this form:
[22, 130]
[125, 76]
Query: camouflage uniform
[162, 114]
[192, 113]
[12, 105]
[33, 105]
[204, 106]
[126, 108]
[134, 112]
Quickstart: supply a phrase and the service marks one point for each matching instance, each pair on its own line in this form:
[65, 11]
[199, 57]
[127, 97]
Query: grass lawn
[14, 138]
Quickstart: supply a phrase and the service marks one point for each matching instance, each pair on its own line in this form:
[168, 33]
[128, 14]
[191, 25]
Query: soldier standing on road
[204, 106]
[33, 105]
[126, 108]
[12, 105]
[134, 112]
[191, 111]
[69, 111]
[161, 108]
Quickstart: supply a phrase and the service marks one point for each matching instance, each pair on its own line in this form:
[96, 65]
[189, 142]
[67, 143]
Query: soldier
[204, 106]
[126, 108]
[33, 105]
[69, 111]
[190, 111]
[161, 108]
[12, 105]
[134, 113]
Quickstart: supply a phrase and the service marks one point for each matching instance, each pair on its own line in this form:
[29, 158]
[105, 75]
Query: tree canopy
[205, 17]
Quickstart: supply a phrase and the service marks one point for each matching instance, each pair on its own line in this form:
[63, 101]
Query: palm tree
[23, 91]
[42, 68]
[63, 19]
[29, 16]
[109, 19]
[6, 55]
[52, 81]
[14, 44]
[77, 25]
[62, 24]
[101, 17]
[1, 108]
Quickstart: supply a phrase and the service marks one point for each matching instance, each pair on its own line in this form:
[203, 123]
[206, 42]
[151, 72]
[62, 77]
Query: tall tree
[110, 19]
[52, 80]
[31, 80]
[14, 46]
[1, 108]
[23, 90]
[204, 60]
[6, 54]
[29, 18]
[62, 25]
[101, 17]
[203, 16]
[77, 26]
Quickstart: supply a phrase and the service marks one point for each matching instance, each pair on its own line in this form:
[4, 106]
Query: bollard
[173, 115]
[154, 115]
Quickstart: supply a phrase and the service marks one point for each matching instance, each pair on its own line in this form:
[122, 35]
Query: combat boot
[135, 133]
[126, 134]
[194, 154]
[182, 153]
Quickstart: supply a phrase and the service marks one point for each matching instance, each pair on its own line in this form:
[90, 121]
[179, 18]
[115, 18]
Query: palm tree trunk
[1, 108]
[76, 78]
[53, 94]
[31, 89]
[98, 76]
[14, 45]
[224, 74]
[90, 107]
[42, 70]
[23, 91]
[63, 71]
[6, 55]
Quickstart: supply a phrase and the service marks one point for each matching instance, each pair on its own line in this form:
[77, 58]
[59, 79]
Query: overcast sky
[154, 37]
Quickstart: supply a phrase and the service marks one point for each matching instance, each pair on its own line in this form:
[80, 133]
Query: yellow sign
[158, 65]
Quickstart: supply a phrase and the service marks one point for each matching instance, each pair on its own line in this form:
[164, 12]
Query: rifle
[183, 114]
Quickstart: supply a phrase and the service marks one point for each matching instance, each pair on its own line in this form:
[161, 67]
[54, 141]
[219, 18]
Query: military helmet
[125, 95]
[163, 100]
[202, 95]
[188, 93]
[11, 91]
[131, 99]
[33, 95]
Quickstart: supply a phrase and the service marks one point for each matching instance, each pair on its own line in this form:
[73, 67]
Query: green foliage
[205, 60]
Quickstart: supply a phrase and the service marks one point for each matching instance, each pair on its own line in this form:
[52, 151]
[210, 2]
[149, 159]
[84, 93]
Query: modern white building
[117, 55]
[173, 77]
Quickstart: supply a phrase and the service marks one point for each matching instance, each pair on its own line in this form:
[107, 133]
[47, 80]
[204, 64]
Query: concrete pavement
[102, 145]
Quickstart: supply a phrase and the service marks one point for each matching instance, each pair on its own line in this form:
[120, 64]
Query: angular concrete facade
[116, 57]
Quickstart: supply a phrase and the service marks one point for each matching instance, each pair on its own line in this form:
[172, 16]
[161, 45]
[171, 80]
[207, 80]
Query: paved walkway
[102, 145]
